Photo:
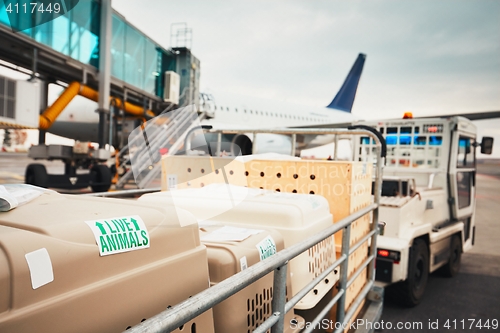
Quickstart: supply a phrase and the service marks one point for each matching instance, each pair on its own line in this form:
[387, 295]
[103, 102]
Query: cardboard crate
[345, 185]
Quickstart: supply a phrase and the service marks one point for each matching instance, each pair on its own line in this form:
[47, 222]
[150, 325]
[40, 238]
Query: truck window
[435, 140]
[464, 180]
[466, 153]
[390, 188]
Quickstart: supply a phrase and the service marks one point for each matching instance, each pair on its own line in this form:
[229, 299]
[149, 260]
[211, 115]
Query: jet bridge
[97, 51]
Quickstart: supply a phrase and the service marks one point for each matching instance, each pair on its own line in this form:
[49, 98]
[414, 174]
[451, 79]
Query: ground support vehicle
[76, 159]
[428, 201]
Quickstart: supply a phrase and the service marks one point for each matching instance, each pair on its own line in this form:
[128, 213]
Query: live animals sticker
[266, 247]
[120, 234]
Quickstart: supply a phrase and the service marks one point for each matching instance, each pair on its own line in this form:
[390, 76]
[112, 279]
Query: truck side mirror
[487, 145]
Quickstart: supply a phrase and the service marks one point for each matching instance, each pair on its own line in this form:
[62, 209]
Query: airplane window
[236, 110]
[251, 111]
[245, 111]
[267, 114]
[215, 108]
[227, 108]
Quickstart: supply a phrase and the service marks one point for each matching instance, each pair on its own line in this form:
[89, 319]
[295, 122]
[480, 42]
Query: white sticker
[266, 247]
[120, 234]
[243, 263]
[171, 181]
[40, 267]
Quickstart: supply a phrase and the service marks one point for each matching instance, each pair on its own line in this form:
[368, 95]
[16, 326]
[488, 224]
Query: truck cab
[427, 202]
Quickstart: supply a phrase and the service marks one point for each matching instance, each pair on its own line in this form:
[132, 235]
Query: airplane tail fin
[345, 97]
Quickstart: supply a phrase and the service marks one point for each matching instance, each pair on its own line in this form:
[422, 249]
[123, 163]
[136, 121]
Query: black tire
[36, 174]
[413, 288]
[101, 179]
[452, 267]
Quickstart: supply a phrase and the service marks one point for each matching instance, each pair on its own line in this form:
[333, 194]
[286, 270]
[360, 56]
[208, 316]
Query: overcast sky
[427, 57]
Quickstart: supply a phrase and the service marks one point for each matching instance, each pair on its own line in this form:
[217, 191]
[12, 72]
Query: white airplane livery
[336, 114]
[79, 121]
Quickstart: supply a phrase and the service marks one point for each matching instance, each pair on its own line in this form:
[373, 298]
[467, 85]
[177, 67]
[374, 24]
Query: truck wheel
[101, 181]
[413, 288]
[453, 265]
[36, 174]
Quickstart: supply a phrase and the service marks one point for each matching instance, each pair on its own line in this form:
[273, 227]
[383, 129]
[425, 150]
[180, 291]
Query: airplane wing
[471, 116]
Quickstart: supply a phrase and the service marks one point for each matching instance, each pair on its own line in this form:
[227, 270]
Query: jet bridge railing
[181, 313]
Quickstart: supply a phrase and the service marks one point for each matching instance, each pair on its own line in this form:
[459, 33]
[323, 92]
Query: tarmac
[455, 304]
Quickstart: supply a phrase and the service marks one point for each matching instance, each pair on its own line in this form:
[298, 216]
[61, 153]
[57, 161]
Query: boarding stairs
[163, 135]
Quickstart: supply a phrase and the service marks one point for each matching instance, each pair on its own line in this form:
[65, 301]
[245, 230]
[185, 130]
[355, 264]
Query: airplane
[80, 123]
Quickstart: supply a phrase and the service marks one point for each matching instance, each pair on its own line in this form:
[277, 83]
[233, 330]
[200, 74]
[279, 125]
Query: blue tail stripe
[345, 97]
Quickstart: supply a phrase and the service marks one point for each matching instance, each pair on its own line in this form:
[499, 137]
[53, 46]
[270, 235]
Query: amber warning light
[408, 115]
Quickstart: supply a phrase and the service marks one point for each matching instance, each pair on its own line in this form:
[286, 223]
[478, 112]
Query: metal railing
[160, 132]
[181, 313]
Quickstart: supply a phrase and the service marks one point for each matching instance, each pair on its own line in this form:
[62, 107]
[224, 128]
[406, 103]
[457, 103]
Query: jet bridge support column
[104, 71]
[44, 103]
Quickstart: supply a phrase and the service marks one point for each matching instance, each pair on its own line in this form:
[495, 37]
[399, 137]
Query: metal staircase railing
[145, 142]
